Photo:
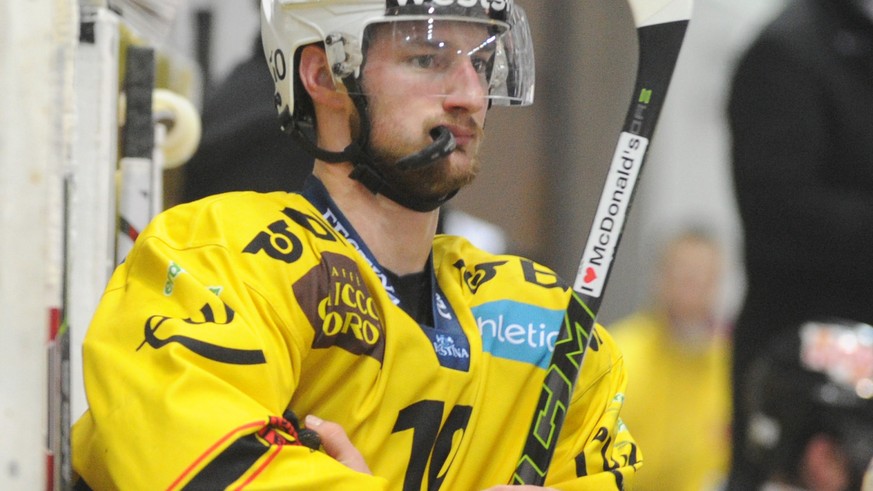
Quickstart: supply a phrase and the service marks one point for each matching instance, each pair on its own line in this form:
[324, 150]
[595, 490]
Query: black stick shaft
[659, 46]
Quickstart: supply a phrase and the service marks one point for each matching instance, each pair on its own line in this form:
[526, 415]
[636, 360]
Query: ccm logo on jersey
[340, 308]
[480, 274]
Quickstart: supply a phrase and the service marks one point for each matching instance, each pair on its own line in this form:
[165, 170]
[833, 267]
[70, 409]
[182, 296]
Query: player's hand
[337, 444]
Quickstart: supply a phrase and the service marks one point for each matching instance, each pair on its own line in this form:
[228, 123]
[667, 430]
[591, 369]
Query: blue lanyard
[315, 193]
[448, 339]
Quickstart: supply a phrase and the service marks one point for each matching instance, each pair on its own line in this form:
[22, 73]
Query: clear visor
[442, 57]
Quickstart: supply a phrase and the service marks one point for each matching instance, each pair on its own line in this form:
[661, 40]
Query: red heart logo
[590, 275]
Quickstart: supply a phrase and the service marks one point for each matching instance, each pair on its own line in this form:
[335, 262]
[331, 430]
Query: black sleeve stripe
[81, 485]
[229, 465]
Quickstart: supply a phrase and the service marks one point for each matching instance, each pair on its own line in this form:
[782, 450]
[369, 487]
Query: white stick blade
[651, 12]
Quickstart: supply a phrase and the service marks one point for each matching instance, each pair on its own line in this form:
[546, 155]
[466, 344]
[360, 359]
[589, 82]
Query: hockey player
[417, 359]
[810, 408]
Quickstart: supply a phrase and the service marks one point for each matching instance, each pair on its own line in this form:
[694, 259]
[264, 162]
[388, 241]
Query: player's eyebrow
[430, 41]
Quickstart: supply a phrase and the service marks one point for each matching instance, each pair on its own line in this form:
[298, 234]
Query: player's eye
[480, 64]
[426, 62]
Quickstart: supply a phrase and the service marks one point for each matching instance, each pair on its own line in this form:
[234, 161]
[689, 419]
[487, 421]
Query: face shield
[438, 57]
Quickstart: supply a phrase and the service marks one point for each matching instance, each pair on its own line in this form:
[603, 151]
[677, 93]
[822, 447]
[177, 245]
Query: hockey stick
[660, 26]
[151, 19]
[137, 202]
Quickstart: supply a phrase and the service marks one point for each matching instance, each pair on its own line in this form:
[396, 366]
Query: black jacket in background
[801, 115]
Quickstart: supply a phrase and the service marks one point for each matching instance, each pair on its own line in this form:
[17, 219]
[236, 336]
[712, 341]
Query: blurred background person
[801, 117]
[809, 407]
[676, 352]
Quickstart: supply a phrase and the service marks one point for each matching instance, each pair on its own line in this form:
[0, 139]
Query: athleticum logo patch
[340, 308]
[518, 331]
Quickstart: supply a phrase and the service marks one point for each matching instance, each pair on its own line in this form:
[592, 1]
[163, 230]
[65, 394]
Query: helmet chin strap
[365, 170]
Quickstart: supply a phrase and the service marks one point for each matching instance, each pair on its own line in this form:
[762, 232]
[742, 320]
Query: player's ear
[314, 72]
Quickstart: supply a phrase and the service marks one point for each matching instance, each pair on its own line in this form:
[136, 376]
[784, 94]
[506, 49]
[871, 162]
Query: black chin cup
[443, 144]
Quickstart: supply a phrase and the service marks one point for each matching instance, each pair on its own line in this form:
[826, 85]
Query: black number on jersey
[430, 442]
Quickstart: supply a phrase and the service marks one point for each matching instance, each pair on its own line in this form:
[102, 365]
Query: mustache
[459, 124]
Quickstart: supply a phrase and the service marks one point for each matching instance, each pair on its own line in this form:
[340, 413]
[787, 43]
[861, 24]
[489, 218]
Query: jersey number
[430, 442]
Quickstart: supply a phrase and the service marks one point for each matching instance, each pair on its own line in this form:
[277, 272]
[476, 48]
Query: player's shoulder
[237, 216]
[495, 276]
[267, 232]
[236, 204]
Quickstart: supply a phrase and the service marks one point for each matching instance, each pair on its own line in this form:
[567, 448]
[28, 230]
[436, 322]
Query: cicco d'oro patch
[341, 308]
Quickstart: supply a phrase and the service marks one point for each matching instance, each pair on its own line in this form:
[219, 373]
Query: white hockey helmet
[287, 25]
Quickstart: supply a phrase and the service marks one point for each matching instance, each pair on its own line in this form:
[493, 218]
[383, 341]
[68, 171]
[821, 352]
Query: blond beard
[430, 182]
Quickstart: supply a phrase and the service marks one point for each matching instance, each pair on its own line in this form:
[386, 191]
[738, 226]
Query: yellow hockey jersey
[231, 311]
